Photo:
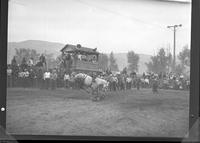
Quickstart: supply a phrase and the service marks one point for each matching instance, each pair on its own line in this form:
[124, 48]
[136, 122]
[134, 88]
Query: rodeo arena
[79, 72]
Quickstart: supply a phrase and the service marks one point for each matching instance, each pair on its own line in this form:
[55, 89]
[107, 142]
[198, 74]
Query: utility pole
[174, 27]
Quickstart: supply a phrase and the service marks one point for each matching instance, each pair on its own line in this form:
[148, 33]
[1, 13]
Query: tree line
[161, 62]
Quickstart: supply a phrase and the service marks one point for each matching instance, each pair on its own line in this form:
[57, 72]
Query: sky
[110, 25]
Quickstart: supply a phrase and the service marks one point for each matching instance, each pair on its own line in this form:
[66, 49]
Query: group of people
[31, 79]
[170, 80]
[87, 58]
[116, 81]
[29, 74]
[78, 56]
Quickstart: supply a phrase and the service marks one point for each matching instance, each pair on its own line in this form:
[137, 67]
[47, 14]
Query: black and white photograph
[98, 67]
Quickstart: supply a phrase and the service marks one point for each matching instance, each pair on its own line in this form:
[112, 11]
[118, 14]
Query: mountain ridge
[55, 47]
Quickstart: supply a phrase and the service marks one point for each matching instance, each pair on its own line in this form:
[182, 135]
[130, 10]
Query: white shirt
[26, 74]
[47, 75]
[79, 57]
[66, 77]
[9, 72]
[30, 62]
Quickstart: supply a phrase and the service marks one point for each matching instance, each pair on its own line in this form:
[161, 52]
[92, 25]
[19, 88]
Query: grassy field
[122, 113]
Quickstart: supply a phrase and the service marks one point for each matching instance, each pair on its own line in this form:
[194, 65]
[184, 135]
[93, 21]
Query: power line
[122, 15]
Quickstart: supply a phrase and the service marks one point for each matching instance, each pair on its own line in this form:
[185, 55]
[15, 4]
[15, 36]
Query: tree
[152, 65]
[31, 53]
[179, 68]
[184, 56]
[113, 65]
[103, 61]
[133, 60]
[169, 62]
[160, 62]
[27, 54]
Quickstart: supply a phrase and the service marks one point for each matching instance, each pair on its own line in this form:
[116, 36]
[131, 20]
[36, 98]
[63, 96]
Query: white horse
[96, 85]
[145, 82]
[102, 83]
[87, 78]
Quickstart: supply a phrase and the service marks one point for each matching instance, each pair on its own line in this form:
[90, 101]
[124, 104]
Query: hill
[53, 47]
[39, 46]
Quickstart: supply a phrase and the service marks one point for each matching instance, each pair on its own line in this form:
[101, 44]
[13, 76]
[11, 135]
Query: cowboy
[94, 59]
[40, 79]
[79, 56]
[66, 79]
[155, 85]
[32, 78]
[24, 64]
[30, 62]
[138, 82]
[9, 76]
[42, 59]
[47, 75]
[26, 78]
[13, 62]
[53, 77]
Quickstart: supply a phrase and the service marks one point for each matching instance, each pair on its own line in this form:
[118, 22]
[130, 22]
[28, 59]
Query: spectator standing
[66, 80]
[26, 78]
[24, 64]
[155, 85]
[14, 62]
[47, 75]
[40, 79]
[9, 76]
[43, 59]
[30, 62]
[138, 82]
[31, 78]
[53, 77]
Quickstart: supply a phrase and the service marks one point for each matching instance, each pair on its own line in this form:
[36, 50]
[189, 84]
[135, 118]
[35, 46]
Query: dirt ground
[122, 113]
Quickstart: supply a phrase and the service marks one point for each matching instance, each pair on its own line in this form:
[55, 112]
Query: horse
[82, 80]
[89, 84]
[102, 84]
[145, 82]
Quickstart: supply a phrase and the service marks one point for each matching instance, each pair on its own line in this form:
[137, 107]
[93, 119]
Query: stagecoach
[80, 59]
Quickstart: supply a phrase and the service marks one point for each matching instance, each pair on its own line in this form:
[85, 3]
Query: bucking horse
[96, 86]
